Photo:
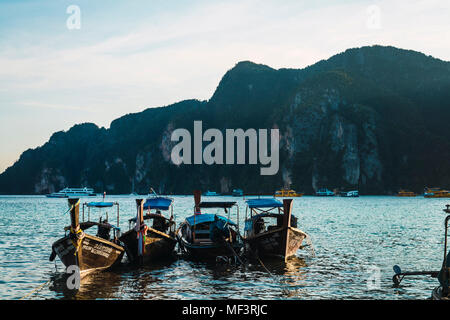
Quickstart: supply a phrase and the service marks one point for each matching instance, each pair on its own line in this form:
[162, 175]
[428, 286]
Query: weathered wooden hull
[208, 251]
[273, 243]
[158, 246]
[94, 254]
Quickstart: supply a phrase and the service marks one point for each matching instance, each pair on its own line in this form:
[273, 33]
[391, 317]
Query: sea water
[356, 242]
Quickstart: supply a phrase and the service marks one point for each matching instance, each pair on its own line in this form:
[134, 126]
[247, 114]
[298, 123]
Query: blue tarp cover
[160, 203]
[100, 204]
[202, 218]
[264, 203]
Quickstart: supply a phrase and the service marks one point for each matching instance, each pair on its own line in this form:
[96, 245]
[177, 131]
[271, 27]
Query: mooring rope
[35, 290]
[257, 257]
[284, 288]
[234, 253]
[47, 282]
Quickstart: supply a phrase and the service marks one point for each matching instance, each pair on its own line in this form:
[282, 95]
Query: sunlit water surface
[355, 239]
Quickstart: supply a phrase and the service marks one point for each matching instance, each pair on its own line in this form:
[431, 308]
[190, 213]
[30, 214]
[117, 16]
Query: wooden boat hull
[94, 253]
[158, 246]
[273, 243]
[208, 251]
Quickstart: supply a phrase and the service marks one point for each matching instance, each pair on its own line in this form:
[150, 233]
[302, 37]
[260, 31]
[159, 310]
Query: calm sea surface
[354, 240]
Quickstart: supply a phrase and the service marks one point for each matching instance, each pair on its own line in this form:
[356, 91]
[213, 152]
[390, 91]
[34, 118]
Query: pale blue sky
[131, 55]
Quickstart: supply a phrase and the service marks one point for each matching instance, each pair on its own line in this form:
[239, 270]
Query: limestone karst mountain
[373, 118]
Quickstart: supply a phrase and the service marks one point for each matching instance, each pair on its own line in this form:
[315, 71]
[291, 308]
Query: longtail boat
[150, 236]
[205, 236]
[271, 229]
[90, 253]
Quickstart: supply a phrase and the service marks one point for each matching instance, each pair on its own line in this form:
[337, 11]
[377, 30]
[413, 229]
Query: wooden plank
[287, 208]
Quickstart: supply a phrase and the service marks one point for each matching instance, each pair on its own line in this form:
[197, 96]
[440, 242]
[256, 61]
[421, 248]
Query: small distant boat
[271, 229]
[145, 244]
[90, 253]
[72, 193]
[237, 193]
[287, 193]
[436, 193]
[324, 192]
[405, 193]
[349, 194]
[205, 236]
[210, 193]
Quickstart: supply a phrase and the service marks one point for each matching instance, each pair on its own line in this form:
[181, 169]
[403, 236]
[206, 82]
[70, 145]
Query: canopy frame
[210, 204]
[98, 205]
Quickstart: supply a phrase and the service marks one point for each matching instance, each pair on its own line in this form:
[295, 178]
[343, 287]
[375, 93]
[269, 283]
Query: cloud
[40, 105]
[182, 54]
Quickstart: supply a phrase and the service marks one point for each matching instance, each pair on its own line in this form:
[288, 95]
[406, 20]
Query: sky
[105, 59]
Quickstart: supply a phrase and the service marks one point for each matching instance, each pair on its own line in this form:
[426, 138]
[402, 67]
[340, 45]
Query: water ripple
[350, 237]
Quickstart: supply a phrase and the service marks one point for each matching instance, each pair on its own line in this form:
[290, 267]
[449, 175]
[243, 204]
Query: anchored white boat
[73, 193]
[350, 194]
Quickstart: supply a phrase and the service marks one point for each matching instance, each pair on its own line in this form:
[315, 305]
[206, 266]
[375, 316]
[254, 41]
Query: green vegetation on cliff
[372, 118]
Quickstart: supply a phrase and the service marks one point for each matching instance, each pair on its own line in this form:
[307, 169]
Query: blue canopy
[160, 203]
[100, 204]
[264, 203]
[202, 218]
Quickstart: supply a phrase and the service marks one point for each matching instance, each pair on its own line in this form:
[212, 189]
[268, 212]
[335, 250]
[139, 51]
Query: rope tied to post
[76, 235]
[141, 233]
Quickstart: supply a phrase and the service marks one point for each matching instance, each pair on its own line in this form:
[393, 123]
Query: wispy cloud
[182, 53]
[41, 105]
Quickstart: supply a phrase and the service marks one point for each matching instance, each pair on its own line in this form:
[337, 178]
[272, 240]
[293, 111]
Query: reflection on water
[153, 281]
[351, 237]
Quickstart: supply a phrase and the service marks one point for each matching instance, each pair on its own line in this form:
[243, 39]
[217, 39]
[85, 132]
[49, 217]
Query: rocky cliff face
[322, 132]
[373, 118]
